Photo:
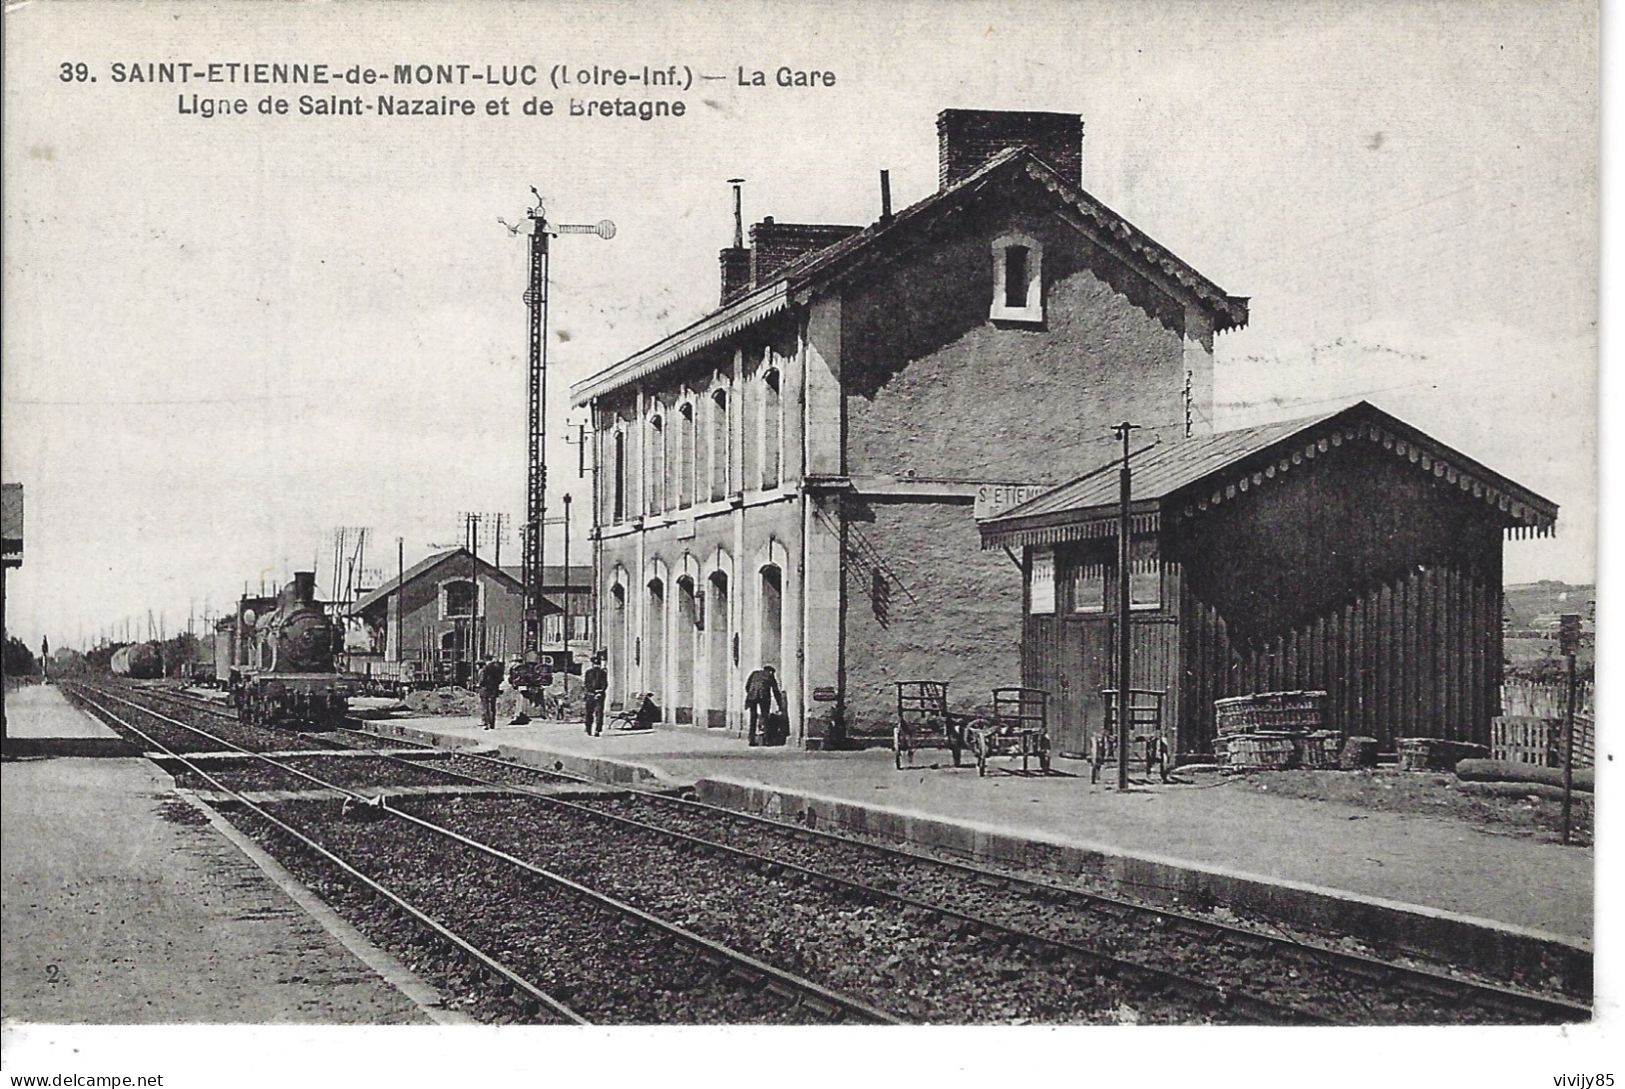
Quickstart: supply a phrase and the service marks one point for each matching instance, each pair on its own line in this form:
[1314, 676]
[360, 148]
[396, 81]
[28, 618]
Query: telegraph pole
[564, 621]
[536, 299]
[1569, 636]
[1125, 699]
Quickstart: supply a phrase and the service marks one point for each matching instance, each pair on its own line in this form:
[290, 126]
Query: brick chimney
[775, 246]
[968, 138]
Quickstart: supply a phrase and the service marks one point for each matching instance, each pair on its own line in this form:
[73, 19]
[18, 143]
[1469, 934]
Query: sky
[224, 337]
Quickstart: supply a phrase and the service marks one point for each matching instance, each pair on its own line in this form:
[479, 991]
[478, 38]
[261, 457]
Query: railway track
[564, 951]
[1227, 971]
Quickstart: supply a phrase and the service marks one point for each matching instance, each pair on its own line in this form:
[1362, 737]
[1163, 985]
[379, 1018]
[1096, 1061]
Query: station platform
[1430, 886]
[120, 902]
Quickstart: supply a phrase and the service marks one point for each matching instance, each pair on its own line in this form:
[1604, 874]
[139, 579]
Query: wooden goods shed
[1348, 552]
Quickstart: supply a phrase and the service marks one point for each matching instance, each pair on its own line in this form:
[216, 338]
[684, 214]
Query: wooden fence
[1530, 728]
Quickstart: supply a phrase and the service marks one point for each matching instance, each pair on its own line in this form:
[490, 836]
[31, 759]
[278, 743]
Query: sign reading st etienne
[995, 499]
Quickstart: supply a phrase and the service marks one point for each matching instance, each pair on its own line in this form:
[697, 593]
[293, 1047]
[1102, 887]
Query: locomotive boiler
[284, 653]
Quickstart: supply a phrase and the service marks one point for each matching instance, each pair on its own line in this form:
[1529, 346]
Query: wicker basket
[1278, 712]
[1322, 749]
[1263, 752]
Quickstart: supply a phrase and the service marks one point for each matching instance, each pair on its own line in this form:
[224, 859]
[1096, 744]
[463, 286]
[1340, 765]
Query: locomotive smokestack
[304, 586]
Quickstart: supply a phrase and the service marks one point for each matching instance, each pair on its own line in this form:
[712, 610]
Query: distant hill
[1529, 603]
[1530, 627]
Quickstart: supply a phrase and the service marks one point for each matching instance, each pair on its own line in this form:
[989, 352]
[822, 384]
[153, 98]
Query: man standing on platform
[490, 685]
[595, 686]
[761, 689]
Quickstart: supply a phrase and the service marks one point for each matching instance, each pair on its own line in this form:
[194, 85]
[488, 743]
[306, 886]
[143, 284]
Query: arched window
[619, 479]
[720, 444]
[457, 598]
[772, 428]
[685, 456]
[1018, 278]
[657, 465]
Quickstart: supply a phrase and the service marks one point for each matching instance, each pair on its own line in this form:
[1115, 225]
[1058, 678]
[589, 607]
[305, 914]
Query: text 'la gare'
[786, 77]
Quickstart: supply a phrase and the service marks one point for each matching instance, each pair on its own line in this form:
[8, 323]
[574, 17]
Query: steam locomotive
[139, 661]
[281, 655]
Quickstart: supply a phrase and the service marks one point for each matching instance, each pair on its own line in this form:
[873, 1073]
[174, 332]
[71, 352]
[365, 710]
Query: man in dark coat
[595, 687]
[761, 690]
[490, 685]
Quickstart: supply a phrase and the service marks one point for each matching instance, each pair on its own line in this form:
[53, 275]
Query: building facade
[793, 480]
[452, 608]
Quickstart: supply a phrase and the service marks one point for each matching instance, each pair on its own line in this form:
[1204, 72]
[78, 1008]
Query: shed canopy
[1182, 478]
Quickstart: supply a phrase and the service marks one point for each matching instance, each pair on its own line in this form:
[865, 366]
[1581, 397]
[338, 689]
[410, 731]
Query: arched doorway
[654, 643]
[619, 663]
[771, 614]
[683, 648]
[719, 654]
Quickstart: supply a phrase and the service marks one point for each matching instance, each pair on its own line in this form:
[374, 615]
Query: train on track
[138, 661]
[280, 658]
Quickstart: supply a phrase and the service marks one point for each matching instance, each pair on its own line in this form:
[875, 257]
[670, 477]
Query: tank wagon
[283, 658]
[139, 661]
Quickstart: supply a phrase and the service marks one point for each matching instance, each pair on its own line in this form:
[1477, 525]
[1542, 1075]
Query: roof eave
[742, 313]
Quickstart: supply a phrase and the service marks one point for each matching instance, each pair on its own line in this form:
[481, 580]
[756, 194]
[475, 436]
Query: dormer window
[1015, 277]
[1018, 287]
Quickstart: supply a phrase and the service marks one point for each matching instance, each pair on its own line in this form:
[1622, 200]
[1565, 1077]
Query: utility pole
[564, 621]
[400, 601]
[1125, 698]
[536, 300]
[1569, 636]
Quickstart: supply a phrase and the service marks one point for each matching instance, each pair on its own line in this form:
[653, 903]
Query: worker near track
[1097, 757]
[761, 690]
[595, 686]
[490, 685]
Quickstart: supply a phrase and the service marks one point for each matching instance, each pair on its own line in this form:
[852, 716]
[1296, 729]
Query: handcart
[1144, 722]
[923, 720]
[1019, 727]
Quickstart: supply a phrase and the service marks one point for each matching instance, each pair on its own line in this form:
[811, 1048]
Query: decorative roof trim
[737, 315]
[1144, 522]
[816, 271]
[1232, 309]
[1522, 512]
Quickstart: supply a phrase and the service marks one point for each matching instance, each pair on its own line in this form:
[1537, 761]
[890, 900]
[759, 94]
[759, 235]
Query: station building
[794, 479]
[453, 607]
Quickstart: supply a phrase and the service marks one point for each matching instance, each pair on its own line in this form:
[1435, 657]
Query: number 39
[74, 73]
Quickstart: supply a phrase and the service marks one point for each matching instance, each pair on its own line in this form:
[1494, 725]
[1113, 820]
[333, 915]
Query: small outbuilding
[1347, 552]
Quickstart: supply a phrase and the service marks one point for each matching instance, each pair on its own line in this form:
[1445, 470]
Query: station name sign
[993, 500]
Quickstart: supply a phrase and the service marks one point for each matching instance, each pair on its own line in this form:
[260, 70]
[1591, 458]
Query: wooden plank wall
[1415, 655]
